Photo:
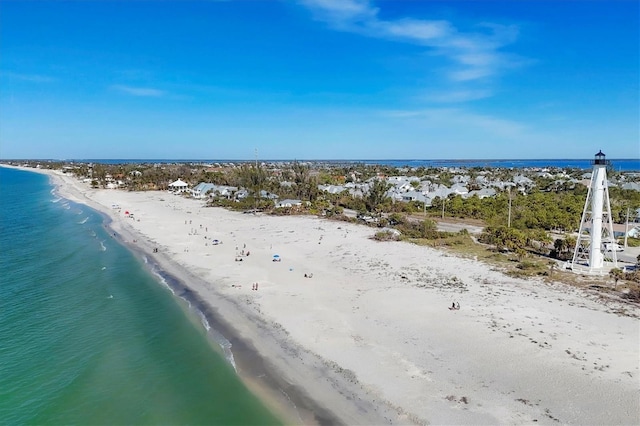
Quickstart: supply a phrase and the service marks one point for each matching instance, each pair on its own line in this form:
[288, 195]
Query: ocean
[90, 335]
[618, 165]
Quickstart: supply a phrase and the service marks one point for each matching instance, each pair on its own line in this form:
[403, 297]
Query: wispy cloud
[32, 78]
[139, 91]
[454, 117]
[474, 56]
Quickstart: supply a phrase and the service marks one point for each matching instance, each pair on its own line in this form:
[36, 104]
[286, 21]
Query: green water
[89, 336]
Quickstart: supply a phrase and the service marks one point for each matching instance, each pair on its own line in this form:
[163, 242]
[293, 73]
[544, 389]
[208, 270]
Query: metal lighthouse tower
[596, 244]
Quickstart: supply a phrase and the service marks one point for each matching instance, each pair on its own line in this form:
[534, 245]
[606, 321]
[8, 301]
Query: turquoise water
[89, 336]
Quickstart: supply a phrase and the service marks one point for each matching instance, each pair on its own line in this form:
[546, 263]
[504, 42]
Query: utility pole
[255, 203]
[626, 229]
[443, 200]
[509, 217]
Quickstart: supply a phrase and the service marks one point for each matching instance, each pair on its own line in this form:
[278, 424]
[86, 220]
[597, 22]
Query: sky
[319, 79]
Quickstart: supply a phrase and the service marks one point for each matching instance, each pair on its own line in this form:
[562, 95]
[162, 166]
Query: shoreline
[370, 335]
[287, 401]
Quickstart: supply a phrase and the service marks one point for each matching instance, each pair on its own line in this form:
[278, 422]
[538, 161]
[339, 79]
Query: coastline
[275, 387]
[370, 335]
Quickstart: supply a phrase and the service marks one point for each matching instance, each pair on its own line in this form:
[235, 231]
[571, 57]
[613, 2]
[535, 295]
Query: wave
[56, 200]
[225, 344]
[162, 280]
[222, 341]
[102, 246]
[83, 221]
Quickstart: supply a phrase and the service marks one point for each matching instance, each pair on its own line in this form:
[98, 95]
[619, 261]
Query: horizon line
[308, 159]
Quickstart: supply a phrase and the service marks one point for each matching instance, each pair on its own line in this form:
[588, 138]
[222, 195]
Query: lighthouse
[595, 246]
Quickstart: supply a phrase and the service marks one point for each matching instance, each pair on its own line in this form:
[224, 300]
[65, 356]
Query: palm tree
[616, 274]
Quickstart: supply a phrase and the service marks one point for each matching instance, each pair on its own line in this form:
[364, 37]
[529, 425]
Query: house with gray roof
[481, 193]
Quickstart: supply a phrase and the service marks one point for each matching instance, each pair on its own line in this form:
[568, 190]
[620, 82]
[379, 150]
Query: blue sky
[319, 79]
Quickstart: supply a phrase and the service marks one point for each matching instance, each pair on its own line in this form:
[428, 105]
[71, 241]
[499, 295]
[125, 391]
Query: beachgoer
[457, 305]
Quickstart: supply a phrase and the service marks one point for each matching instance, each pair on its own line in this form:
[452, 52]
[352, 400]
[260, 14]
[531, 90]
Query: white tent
[178, 186]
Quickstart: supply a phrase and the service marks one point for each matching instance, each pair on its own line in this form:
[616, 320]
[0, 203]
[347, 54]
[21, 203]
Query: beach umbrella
[276, 256]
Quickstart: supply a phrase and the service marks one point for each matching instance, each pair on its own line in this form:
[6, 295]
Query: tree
[504, 238]
[617, 275]
[253, 178]
[306, 185]
[377, 195]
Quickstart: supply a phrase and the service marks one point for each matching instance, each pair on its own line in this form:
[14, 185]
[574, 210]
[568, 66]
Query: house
[288, 203]
[178, 186]
[201, 190]
[634, 186]
[414, 196]
[224, 191]
[459, 189]
[268, 195]
[242, 194]
[332, 189]
[481, 193]
[522, 181]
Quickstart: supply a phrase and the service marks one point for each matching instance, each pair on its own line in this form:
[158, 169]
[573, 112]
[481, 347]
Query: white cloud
[341, 11]
[427, 32]
[138, 91]
[475, 55]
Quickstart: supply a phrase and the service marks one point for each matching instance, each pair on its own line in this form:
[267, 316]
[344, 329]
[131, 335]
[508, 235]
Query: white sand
[370, 336]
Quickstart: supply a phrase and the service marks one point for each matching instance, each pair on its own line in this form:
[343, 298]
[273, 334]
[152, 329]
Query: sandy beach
[367, 336]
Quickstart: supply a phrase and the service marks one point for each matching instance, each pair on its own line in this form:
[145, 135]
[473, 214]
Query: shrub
[386, 236]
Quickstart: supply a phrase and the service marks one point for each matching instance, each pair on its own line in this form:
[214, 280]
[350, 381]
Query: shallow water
[88, 335]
